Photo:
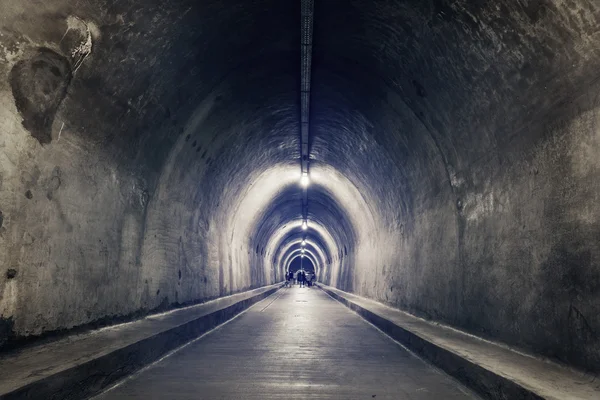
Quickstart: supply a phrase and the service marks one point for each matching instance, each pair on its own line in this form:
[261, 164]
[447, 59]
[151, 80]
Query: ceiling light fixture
[304, 180]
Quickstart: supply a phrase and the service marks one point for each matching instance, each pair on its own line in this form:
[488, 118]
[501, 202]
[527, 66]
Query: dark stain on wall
[39, 84]
[570, 281]
[535, 10]
[6, 329]
[54, 183]
[419, 89]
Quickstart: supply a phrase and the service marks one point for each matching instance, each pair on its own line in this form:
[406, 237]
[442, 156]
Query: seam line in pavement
[272, 301]
[147, 367]
[461, 386]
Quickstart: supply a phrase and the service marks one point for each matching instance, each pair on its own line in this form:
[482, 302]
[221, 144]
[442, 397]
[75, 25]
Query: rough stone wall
[515, 257]
[507, 250]
[481, 157]
[484, 167]
[528, 243]
[74, 260]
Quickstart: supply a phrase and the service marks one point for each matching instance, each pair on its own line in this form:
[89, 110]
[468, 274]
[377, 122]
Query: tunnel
[434, 160]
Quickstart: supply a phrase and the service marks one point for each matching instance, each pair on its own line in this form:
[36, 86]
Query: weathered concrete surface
[471, 129]
[496, 372]
[116, 196]
[83, 365]
[149, 158]
[299, 345]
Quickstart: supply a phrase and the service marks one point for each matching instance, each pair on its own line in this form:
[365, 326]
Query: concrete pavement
[295, 344]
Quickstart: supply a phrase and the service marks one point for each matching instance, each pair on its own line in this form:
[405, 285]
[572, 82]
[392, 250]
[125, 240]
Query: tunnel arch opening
[301, 263]
[317, 255]
[307, 254]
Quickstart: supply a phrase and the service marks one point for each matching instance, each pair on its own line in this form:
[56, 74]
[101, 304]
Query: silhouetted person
[301, 278]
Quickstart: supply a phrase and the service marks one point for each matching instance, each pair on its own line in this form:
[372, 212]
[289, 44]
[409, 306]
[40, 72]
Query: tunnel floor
[296, 344]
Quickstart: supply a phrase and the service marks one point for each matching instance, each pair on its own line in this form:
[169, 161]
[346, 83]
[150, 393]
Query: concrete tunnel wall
[149, 159]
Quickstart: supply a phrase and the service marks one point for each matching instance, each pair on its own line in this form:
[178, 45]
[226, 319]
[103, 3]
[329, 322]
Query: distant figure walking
[291, 278]
[301, 278]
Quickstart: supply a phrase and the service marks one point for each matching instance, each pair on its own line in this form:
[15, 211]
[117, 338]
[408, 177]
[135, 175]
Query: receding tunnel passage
[434, 165]
[301, 263]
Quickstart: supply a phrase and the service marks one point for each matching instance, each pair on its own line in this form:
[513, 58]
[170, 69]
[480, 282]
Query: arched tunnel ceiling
[324, 211]
[151, 151]
[301, 239]
[310, 250]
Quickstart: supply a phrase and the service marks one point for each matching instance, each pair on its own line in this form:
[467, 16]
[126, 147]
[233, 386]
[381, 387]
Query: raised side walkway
[78, 366]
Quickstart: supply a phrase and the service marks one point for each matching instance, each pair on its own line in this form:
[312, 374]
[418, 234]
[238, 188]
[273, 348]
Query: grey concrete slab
[83, 365]
[494, 370]
[296, 344]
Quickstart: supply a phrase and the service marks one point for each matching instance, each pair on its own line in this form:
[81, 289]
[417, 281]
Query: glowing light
[304, 225]
[304, 243]
[302, 251]
[304, 180]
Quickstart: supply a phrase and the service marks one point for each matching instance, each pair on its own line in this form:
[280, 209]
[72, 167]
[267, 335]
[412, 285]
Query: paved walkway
[295, 344]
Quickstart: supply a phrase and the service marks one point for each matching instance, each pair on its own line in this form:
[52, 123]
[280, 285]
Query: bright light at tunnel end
[304, 180]
[304, 225]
